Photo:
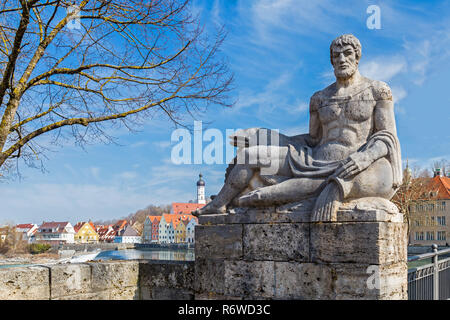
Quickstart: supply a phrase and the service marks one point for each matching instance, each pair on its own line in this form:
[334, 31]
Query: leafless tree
[81, 68]
[443, 165]
[414, 189]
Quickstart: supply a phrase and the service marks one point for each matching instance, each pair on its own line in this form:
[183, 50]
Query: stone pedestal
[278, 253]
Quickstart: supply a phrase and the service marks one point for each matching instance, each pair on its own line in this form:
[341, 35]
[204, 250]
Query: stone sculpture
[350, 152]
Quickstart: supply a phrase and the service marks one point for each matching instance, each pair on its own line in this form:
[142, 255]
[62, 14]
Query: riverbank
[27, 258]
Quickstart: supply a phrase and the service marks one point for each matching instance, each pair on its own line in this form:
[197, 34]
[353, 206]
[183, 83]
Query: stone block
[213, 296]
[70, 279]
[169, 275]
[305, 281]
[101, 295]
[114, 274]
[209, 276]
[27, 283]
[171, 294]
[370, 282]
[125, 293]
[251, 280]
[358, 242]
[218, 241]
[278, 242]
[266, 215]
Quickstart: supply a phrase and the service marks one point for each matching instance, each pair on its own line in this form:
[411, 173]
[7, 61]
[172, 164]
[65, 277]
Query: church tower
[201, 190]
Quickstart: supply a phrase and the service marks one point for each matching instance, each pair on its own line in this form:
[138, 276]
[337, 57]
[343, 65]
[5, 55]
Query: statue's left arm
[383, 120]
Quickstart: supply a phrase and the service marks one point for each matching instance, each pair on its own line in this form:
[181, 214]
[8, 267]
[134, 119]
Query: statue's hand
[355, 163]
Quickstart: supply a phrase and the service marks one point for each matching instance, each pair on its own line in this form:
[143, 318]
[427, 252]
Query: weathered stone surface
[112, 280]
[303, 281]
[370, 282]
[221, 241]
[72, 279]
[166, 275]
[102, 295]
[278, 242]
[353, 211]
[209, 276]
[362, 242]
[171, 294]
[213, 296]
[340, 281]
[27, 283]
[368, 216]
[124, 293]
[114, 274]
[251, 280]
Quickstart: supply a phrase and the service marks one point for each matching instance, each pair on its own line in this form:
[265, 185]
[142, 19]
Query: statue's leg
[294, 189]
[237, 181]
[375, 181]
[248, 160]
[327, 204]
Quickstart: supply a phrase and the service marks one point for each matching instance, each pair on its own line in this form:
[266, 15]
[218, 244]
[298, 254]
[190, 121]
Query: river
[148, 254]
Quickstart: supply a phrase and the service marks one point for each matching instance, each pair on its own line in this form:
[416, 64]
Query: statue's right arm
[315, 127]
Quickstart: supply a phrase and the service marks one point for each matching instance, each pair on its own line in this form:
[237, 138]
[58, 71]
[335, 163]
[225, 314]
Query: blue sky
[279, 53]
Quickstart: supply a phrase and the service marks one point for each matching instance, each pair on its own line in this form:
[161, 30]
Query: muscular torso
[346, 120]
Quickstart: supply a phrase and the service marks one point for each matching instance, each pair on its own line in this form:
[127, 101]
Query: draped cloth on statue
[303, 165]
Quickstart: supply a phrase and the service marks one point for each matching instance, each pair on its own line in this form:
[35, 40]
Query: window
[441, 235]
[430, 235]
[419, 235]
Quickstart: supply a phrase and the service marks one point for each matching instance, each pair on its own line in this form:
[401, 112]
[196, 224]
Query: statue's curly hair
[343, 40]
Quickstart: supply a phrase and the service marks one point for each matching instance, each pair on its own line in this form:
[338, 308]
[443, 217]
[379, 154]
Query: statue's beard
[345, 73]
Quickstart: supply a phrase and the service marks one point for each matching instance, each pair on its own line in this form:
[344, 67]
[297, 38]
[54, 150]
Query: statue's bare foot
[327, 204]
[210, 208]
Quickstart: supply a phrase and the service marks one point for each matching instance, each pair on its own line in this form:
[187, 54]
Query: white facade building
[55, 232]
[190, 230]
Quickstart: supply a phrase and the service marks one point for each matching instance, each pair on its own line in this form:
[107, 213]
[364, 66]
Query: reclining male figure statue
[351, 151]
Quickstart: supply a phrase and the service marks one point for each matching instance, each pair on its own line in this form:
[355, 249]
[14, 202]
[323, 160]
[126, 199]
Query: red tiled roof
[441, 185]
[185, 208]
[25, 226]
[59, 226]
[120, 225]
[78, 226]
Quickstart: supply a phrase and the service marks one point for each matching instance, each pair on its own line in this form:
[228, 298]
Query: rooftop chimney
[437, 172]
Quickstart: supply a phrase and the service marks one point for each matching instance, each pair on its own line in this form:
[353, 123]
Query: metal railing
[430, 281]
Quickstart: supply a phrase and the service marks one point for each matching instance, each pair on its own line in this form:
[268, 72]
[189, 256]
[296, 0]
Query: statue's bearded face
[345, 61]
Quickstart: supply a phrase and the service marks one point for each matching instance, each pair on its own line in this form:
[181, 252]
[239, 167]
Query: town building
[128, 235]
[166, 231]
[105, 233]
[85, 233]
[26, 231]
[190, 230]
[150, 232]
[180, 230]
[55, 233]
[119, 226]
[430, 219]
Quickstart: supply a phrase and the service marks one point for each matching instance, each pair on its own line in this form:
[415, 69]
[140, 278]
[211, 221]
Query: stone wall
[124, 280]
[92, 246]
[273, 254]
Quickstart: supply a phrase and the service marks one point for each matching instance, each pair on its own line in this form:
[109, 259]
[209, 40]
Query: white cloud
[138, 144]
[383, 68]
[127, 175]
[162, 144]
